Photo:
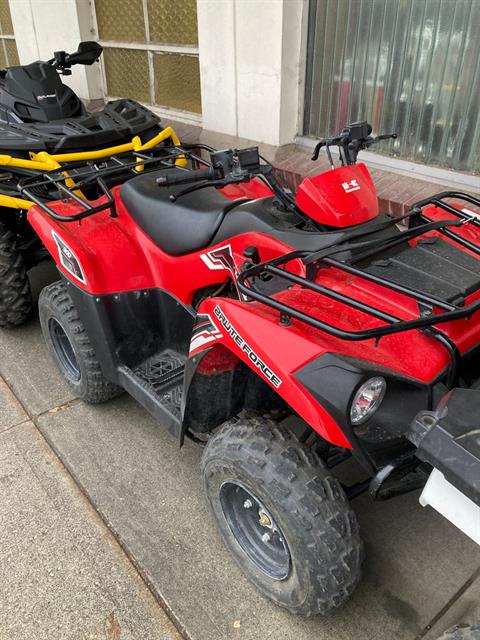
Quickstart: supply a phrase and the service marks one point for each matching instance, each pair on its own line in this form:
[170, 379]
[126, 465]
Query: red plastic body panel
[253, 189]
[283, 352]
[341, 197]
[115, 255]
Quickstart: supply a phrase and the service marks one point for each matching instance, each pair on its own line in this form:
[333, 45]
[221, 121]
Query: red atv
[284, 334]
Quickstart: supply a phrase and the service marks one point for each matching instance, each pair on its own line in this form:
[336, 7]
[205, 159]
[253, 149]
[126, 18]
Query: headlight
[367, 399]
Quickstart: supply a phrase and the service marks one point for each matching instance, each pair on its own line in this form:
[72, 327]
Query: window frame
[189, 117]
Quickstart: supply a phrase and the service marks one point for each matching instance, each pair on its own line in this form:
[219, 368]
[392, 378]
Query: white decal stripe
[201, 340]
[210, 264]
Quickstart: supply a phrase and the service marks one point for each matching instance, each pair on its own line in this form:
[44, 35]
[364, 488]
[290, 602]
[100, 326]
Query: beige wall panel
[12, 53]
[120, 20]
[6, 25]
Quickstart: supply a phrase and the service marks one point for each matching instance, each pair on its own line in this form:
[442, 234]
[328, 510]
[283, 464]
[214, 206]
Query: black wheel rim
[64, 350]
[255, 530]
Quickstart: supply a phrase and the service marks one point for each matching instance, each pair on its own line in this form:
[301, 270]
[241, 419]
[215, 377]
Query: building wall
[238, 67]
[8, 47]
[44, 26]
[252, 62]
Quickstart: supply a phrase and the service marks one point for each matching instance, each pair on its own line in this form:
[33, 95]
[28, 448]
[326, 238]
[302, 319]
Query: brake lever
[196, 187]
[318, 148]
[371, 141]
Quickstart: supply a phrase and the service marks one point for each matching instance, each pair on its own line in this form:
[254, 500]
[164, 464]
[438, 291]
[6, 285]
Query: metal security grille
[8, 47]
[410, 66]
[151, 52]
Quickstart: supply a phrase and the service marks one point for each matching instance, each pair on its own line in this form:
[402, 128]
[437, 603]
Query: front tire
[70, 346]
[15, 293]
[284, 518]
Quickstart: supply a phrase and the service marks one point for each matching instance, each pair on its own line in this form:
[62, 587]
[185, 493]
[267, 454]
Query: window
[151, 52]
[8, 48]
[405, 66]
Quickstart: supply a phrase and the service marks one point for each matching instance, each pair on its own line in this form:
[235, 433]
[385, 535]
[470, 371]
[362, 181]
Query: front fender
[273, 352]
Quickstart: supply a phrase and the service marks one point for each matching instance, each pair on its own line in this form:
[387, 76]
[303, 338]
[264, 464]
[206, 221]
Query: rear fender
[104, 254]
[270, 351]
[85, 251]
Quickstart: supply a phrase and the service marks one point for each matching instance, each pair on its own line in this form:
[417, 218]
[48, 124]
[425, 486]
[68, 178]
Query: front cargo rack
[426, 320]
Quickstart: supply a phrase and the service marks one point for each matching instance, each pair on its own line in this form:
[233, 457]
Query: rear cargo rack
[91, 173]
[426, 319]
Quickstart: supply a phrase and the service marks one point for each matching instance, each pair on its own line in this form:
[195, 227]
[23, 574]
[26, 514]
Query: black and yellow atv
[44, 128]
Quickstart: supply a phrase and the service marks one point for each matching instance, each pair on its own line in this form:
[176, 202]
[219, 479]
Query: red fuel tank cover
[342, 197]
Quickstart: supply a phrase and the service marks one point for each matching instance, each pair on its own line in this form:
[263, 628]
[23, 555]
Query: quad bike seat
[179, 227]
[205, 217]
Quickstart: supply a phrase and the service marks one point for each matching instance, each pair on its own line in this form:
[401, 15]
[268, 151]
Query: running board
[157, 384]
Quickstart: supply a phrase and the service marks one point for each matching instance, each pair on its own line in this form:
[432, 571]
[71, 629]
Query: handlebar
[226, 167]
[185, 177]
[87, 53]
[325, 142]
[229, 166]
[352, 139]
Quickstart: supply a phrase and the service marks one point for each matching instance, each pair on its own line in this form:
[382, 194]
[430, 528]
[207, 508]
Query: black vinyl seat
[179, 227]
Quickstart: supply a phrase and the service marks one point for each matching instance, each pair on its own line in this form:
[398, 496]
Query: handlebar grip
[386, 136]
[185, 177]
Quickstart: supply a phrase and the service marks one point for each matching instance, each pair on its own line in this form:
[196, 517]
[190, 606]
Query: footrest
[161, 368]
[157, 384]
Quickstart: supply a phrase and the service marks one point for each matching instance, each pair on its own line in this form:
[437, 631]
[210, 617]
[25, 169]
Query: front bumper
[452, 504]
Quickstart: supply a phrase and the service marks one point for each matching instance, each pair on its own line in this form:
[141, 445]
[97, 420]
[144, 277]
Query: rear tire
[70, 346]
[15, 293]
[266, 488]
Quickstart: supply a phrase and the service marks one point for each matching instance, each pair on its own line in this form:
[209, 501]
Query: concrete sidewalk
[420, 572]
[62, 573]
